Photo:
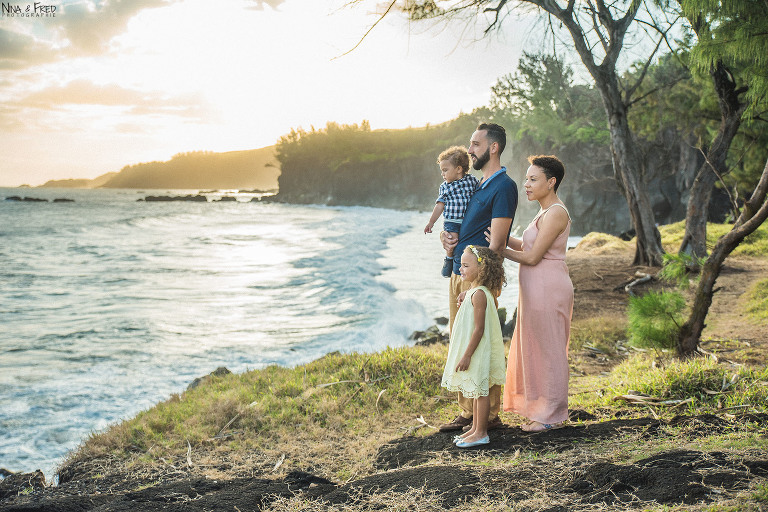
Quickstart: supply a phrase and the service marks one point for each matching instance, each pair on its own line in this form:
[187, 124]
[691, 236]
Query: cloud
[19, 50]
[259, 4]
[83, 28]
[90, 25]
[85, 92]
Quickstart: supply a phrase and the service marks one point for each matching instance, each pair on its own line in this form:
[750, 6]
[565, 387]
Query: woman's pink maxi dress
[537, 366]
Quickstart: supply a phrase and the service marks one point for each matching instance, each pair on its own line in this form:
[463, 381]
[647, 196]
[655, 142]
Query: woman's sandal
[541, 427]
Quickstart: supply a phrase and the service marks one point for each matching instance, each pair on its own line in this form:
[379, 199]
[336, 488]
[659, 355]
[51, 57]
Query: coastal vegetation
[354, 431]
[545, 110]
[250, 169]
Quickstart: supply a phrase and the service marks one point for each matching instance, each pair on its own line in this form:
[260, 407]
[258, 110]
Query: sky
[105, 84]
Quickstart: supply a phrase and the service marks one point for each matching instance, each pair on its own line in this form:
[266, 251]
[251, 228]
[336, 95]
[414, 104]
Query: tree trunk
[731, 110]
[628, 173]
[755, 212]
[627, 166]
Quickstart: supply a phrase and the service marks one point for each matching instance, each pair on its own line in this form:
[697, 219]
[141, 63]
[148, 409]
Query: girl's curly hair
[491, 268]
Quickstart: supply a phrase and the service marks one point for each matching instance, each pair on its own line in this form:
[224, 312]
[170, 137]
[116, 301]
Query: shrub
[655, 319]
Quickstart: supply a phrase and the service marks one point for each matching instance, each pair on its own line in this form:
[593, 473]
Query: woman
[537, 367]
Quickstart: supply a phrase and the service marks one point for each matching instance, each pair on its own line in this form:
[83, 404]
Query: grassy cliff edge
[357, 431]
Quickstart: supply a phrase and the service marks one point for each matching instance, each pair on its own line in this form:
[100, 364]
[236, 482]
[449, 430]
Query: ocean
[109, 305]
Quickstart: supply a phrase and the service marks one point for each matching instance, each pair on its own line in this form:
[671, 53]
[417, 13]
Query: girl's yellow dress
[488, 366]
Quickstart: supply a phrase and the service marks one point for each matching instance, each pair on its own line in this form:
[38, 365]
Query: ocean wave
[147, 299]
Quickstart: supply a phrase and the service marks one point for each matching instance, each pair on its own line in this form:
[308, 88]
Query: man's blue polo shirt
[496, 197]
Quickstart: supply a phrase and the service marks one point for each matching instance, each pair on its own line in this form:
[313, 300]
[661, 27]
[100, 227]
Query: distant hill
[243, 170]
[249, 169]
[80, 183]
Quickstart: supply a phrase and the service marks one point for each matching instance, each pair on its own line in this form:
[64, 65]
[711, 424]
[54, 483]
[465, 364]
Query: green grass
[709, 384]
[266, 407]
[757, 301]
[712, 388]
[598, 332]
[755, 244]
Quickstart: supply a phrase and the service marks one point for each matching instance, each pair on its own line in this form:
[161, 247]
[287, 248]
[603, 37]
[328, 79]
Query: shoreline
[279, 466]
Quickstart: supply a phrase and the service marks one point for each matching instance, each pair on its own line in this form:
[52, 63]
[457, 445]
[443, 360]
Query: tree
[598, 31]
[739, 36]
[732, 107]
[542, 98]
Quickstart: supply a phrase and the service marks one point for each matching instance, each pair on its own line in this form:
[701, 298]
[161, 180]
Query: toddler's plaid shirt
[456, 196]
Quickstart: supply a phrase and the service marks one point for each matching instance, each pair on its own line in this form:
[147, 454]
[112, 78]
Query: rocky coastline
[612, 457]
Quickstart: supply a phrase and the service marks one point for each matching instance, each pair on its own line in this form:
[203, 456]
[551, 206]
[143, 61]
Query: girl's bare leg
[480, 409]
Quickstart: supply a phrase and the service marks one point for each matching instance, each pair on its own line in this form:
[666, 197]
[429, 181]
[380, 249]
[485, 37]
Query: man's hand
[449, 240]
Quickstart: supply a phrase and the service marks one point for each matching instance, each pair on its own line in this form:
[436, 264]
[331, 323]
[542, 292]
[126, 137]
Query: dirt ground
[598, 282]
[554, 470]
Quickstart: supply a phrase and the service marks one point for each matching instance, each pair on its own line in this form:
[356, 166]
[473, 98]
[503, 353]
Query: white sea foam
[109, 305]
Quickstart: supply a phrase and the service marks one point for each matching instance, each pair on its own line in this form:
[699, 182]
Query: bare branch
[711, 165]
[368, 31]
[656, 89]
[596, 24]
[647, 65]
[495, 10]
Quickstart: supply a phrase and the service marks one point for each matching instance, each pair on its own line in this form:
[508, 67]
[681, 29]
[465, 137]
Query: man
[492, 207]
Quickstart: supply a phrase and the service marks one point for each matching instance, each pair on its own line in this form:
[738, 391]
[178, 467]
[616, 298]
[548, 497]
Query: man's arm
[499, 233]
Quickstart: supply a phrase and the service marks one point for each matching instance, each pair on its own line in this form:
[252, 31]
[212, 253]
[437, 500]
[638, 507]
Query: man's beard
[481, 160]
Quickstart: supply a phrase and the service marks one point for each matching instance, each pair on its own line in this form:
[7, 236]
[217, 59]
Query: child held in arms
[453, 195]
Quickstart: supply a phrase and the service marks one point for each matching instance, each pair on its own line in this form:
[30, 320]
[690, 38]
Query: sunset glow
[107, 84]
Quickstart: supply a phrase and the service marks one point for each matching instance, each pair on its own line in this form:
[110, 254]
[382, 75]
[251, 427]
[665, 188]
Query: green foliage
[352, 164]
[736, 33]
[676, 267]
[655, 319]
[757, 301]
[671, 98]
[547, 105]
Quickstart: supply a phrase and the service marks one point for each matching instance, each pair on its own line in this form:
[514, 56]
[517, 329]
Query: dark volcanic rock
[430, 336]
[18, 483]
[26, 199]
[218, 372]
[197, 198]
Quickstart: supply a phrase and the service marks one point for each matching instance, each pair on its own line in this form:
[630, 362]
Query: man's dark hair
[496, 133]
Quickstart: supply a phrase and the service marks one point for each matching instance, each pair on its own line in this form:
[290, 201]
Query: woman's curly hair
[491, 269]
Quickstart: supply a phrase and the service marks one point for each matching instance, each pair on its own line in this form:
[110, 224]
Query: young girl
[476, 353]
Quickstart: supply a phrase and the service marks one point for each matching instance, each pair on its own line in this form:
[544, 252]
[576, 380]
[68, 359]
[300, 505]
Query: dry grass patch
[599, 332]
[603, 244]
